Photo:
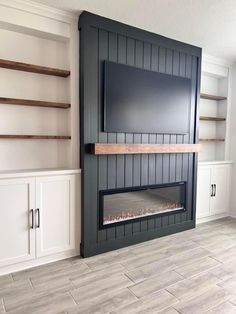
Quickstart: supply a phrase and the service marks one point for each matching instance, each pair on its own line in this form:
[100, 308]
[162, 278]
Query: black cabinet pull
[32, 219]
[212, 192]
[38, 218]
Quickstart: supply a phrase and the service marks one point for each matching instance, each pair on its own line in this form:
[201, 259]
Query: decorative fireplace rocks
[155, 190]
[119, 206]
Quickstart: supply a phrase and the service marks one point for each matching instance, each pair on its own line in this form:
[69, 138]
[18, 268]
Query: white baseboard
[38, 262]
[212, 217]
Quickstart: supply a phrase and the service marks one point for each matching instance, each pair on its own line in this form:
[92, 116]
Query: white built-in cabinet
[213, 189]
[38, 218]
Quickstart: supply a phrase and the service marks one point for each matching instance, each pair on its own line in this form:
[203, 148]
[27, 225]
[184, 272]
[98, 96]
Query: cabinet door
[17, 240]
[55, 214]
[221, 179]
[203, 192]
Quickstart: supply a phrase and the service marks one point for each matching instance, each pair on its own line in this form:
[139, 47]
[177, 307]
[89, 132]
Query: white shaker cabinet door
[203, 192]
[17, 239]
[221, 185]
[55, 214]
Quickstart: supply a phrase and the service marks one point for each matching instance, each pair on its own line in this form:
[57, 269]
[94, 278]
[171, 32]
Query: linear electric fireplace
[119, 206]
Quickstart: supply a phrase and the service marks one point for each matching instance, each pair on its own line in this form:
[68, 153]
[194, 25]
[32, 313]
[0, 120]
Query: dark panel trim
[87, 18]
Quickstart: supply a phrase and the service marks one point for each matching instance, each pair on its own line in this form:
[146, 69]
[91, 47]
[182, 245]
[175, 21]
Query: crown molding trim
[217, 61]
[40, 9]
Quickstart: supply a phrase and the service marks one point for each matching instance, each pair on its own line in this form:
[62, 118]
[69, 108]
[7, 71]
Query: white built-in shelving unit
[39, 103]
[215, 168]
[213, 112]
[39, 135]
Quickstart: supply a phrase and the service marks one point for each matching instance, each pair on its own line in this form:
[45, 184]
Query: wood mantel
[120, 149]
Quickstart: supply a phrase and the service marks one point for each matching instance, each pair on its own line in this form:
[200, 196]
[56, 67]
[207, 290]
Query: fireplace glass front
[122, 205]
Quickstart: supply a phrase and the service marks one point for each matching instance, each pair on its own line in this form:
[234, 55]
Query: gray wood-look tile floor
[189, 272]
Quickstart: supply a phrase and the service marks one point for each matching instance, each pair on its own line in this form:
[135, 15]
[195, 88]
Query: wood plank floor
[190, 272]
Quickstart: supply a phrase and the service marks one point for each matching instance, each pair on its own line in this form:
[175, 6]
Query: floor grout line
[3, 305]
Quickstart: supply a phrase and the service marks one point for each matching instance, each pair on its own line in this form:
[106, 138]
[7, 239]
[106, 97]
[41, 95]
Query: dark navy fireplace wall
[103, 39]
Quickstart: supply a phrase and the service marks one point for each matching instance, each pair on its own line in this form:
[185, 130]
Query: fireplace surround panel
[101, 40]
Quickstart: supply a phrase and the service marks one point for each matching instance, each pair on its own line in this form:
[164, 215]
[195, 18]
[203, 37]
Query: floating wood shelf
[212, 97]
[211, 139]
[13, 65]
[34, 103]
[211, 118]
[117, 149]
[34, 137]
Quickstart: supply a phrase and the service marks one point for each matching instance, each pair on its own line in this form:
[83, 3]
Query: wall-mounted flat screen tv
[142, 101]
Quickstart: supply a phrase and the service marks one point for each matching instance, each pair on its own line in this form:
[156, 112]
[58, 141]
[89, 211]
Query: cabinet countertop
[37, 172]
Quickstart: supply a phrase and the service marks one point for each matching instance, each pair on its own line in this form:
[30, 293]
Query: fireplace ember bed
[120, 206]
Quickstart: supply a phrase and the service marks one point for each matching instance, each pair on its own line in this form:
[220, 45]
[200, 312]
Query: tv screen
[142, 101]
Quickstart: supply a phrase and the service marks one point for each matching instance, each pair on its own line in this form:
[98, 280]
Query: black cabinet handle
[38, 218]
[32, 219]
[212, 191]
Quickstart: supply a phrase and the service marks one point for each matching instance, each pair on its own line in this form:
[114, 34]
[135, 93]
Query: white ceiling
[210, 24]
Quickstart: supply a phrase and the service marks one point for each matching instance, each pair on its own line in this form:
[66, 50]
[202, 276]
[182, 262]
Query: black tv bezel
[104, 116]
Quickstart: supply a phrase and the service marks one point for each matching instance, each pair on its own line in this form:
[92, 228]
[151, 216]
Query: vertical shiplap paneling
[155, 165]
[144, 175]
[137, 137]
[186, 157]
[182, 72]
[136, 176]
[112, 56]
[120, 167]
[166, 161]
[165, 157]
[138, 60]
[192, 134]
[166, 174]
[144, 162]
[147, 64]
[129, 138]
[185, 175]
[152, 162]
[154, 58]
[91, 110]
[178, 157]
[128, 177]
[130, 60]
[159, 161]
[169, 61]
[111, 183]
[172, 138]
[159, 172]
[103, 136]
[151, 176]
